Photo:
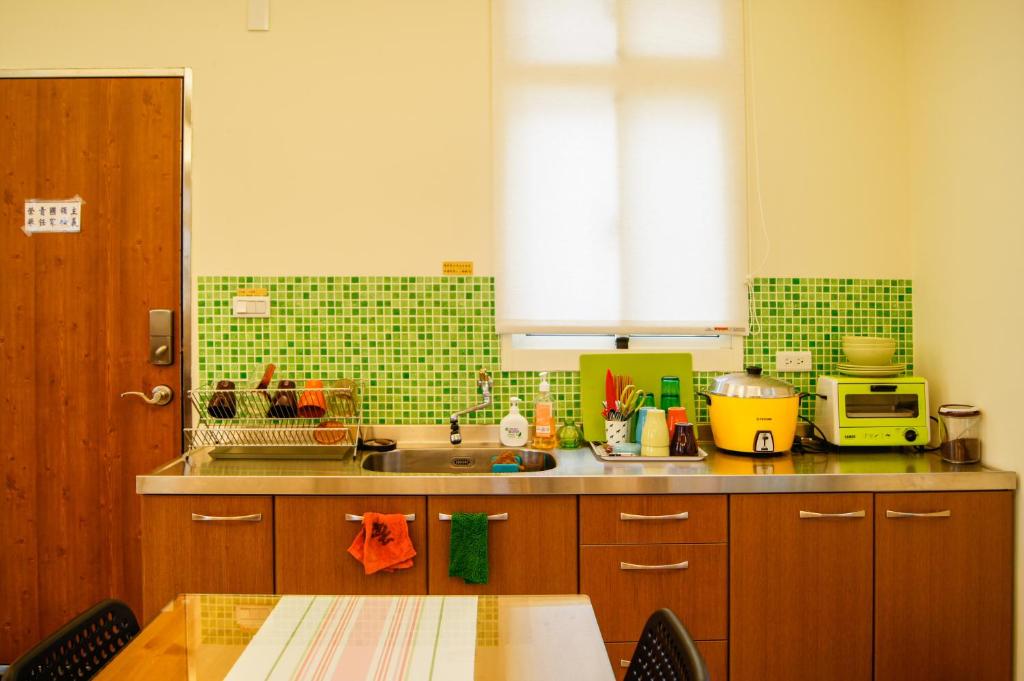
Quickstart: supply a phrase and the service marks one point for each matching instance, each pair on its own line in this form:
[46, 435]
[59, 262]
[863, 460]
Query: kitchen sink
[449, 460]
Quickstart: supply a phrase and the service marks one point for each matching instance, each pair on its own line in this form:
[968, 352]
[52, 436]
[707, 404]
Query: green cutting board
[646, 370]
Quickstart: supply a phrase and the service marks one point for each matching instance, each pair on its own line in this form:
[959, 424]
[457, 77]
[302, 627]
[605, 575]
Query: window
[620, 171]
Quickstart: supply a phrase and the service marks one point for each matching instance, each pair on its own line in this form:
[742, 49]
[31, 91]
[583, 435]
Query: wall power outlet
[797, 360]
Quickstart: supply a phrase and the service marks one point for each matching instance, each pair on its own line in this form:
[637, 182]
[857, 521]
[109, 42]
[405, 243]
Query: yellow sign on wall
[457, 267]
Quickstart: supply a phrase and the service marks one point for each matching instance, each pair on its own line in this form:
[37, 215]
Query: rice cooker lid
[751, 383]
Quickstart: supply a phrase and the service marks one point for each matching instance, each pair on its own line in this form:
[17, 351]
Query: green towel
[467, 555]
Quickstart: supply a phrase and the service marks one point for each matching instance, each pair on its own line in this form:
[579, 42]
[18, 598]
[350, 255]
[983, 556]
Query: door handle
[672, 516]
[496, 516]
[908, 514]
[815, 514]
[160, 397]
[671, 566]
[409, 517]
[250, 518]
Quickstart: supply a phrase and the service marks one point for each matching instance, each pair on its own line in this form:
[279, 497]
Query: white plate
[870, 373]
[871, 367]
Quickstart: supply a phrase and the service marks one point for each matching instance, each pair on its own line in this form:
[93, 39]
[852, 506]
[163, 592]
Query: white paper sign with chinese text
[49, 216]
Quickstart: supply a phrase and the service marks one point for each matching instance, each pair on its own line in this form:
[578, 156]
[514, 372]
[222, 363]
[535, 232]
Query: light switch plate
[259, 15]
[795, 360]
[250, 306]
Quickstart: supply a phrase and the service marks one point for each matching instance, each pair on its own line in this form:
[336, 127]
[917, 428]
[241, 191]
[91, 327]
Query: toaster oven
[873, 412]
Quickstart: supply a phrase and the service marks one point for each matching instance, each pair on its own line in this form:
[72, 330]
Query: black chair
[666, 652]
[80, 648]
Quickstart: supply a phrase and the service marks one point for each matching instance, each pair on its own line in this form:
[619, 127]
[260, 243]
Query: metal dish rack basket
[297, 423]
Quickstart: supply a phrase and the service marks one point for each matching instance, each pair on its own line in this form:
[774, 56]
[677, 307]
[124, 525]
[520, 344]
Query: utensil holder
[616, 431]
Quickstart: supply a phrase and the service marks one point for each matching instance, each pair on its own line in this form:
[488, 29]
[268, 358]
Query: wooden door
[800, 587]
[533, 551]
[944, 586]
[206, 544]
[74, 335]
[311, 540]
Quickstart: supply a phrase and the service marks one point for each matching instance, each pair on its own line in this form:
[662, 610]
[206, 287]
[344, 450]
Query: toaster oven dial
[910, 435]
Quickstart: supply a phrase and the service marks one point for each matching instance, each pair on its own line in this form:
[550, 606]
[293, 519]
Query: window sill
[723, 357]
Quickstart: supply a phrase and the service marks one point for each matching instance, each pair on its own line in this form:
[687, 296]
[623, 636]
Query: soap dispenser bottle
[514, 430]
[544, 434]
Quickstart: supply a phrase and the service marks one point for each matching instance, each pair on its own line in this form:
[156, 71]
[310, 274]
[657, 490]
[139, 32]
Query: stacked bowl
[869, 356]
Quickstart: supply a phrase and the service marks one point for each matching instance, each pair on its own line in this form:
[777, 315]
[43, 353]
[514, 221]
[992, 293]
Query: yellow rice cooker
[753, 414]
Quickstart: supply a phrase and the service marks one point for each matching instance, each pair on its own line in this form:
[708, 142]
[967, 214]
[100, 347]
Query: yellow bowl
[875, 356]
[868, 340]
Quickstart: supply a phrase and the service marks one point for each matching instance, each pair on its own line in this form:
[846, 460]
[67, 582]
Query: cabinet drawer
[312, 536]
[653, 519]
[625, 591]
[205, 544]
[532, 550]
[715, 654]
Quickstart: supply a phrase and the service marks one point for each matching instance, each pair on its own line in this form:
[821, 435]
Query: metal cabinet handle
[850, 514]
[672, 516]
[624, 664]
[161, 396]
[671, 566]
[251, 518]
[358, 518]
[496, 516]
[906, 514]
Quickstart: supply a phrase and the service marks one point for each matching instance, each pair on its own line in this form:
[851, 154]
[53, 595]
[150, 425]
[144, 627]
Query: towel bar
[496, 516]
[358, 518]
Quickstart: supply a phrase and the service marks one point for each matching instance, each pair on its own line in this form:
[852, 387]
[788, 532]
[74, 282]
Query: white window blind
[619, 166]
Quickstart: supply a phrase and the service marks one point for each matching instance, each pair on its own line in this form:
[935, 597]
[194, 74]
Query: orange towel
[383, 543]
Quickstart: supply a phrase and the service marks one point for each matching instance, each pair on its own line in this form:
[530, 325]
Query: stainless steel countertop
[580, 472]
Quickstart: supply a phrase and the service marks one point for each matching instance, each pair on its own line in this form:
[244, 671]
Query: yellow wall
[377, 111]
[966, 104]
[829, 93]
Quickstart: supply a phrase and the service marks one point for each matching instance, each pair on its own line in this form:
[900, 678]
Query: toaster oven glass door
[882, 406]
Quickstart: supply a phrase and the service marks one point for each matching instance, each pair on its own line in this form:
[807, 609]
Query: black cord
[926, 448]
[819, 443]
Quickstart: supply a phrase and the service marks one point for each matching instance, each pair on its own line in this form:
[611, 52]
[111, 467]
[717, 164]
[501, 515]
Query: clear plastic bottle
[545, 435]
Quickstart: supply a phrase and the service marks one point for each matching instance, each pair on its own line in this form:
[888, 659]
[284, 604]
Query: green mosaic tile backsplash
[417, 341]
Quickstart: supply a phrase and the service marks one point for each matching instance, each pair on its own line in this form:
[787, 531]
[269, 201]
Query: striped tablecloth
[378, 638]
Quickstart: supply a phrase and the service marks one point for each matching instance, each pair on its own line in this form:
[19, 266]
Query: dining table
[208, 637]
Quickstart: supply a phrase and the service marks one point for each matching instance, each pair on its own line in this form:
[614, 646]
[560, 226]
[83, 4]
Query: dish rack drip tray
[277, 423]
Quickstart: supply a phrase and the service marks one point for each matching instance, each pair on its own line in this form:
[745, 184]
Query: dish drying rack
[295, 423]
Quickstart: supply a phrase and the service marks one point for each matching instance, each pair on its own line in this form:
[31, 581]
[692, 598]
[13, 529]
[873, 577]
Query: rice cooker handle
[705, 396]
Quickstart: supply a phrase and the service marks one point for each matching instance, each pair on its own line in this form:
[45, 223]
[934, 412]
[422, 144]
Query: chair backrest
[666, 652]
[80, 648]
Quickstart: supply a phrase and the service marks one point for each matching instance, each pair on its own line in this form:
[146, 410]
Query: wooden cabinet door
[944, 586]
[533, 551]
[800, 587]
[205, 544]
[626, 584]
[311, 540]
[714, 653]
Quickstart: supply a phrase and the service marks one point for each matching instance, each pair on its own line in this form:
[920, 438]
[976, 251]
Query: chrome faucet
[485, 383]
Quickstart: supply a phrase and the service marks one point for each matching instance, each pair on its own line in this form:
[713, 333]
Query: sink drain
[461, 461]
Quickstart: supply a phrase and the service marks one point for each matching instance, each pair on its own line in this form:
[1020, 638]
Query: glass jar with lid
[960, 426]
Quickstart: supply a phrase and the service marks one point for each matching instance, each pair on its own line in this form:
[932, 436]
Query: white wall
[378, 111]
[966, 103]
